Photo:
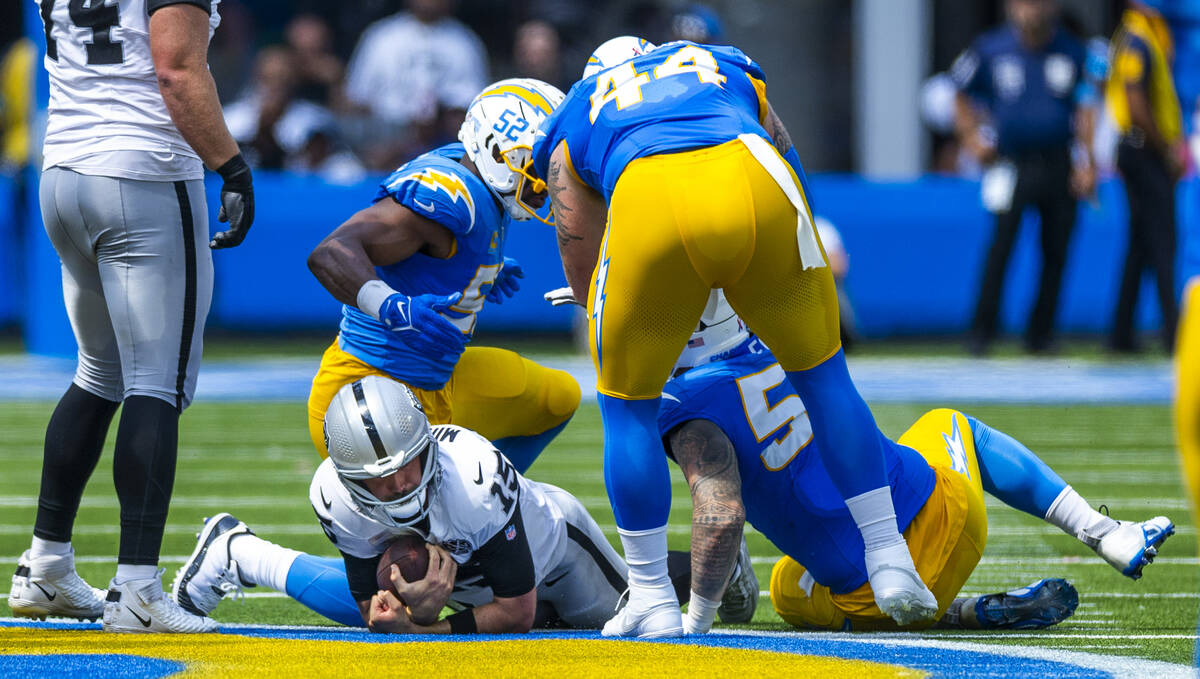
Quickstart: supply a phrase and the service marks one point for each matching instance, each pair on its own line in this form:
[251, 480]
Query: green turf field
[255, 460]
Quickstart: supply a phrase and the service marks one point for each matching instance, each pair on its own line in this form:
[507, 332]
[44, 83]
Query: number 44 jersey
[476, 493]
[104, 95]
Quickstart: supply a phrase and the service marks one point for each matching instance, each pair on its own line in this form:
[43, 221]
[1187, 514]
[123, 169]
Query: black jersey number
[506, 486]
[93, 14]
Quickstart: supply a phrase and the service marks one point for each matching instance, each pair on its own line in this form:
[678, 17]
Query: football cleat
[49, 586]
[898, 589]
[1044, 603]
[741, 593]
[1130, 547]
[210, 572]
[645, 619]
[141, 606]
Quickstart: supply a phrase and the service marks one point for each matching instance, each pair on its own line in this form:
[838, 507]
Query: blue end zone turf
[87, 666]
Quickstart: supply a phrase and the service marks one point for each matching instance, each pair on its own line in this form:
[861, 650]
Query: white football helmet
[498, 134]
[615, 51]
[720, 330]
[373, 427]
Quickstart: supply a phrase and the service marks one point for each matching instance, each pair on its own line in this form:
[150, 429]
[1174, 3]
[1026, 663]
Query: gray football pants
[137, 280]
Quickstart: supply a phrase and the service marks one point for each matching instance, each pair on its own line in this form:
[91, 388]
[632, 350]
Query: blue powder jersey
[679, 96]
[436, 186]
[789, 496]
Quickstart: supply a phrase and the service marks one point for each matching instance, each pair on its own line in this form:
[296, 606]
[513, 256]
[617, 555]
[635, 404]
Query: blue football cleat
[1130, 547]
[1044, 603]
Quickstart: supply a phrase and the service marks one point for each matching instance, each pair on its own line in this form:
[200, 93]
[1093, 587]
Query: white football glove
[562, 296]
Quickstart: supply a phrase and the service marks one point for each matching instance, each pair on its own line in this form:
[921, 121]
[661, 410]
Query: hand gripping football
[409, 554]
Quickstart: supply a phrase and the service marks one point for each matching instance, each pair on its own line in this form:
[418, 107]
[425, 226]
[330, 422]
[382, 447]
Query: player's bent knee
[177, 400]
[561, 395]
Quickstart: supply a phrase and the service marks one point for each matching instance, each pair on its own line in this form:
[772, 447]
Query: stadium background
[847, 78]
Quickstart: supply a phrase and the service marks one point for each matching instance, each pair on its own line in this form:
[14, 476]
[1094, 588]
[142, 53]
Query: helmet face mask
[498, 134]
[374, 427]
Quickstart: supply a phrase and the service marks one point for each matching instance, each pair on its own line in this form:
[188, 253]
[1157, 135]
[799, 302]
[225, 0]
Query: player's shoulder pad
[437, 188]
[728, 55]
[347, 528]
[471, 465]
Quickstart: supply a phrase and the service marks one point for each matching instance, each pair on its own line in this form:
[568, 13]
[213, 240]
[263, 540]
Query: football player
[745, 443]
[414, 268]
[132, 121]
[670, 176]
[505, 551]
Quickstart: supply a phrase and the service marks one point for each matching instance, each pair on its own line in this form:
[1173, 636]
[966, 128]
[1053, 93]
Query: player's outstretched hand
[507, 281]
[427, 597]
[562, 297]
[426, 321]
[237, 203]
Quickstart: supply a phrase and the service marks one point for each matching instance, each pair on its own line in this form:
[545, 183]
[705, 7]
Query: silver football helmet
[616, 51]
[373, 427]
[498, 133]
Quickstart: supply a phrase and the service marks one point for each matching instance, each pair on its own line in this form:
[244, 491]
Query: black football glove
[237, 203]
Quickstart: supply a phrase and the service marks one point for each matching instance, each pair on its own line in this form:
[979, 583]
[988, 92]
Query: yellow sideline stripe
[224, 655]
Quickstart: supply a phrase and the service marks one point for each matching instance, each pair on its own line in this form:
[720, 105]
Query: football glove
[424, 319]
[237, 203]
[507, 281]
[562, 297]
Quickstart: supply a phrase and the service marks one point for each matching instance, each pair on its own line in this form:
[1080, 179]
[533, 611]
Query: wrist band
[463, 622]
[234, 166]
[371, 296]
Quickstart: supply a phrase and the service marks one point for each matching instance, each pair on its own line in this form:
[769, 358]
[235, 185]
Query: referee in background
[1023, 106]
[1151, 157]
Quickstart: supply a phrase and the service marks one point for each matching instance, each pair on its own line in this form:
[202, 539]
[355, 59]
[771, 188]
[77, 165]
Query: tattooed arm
[709, 464]
[579, 218]
[779, 134]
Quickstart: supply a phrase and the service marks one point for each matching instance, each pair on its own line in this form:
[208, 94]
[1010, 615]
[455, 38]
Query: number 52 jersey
[104, 94]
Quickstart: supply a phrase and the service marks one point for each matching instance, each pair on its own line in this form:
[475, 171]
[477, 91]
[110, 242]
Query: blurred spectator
[839, 265]
[1023, 101]
[17, 63]
[1151, 157]
[414, 74]
[938, 94]
[537, 53]
[318, 71]
[278, 131]
[697, 23]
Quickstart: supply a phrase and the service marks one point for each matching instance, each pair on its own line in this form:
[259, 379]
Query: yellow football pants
[1187, 391]
[494, 392]
[947, 538]
[681, 224]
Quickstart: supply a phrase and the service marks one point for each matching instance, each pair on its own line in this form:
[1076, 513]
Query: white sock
[646, 554]
[41, 547]
[262, 562]
[875, 516]
[1074, 516]
[700, 614]
[127, 572]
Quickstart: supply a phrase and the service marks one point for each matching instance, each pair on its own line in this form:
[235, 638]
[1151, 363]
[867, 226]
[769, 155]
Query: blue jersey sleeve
[733, 55]
[968, 72]
[435, 191]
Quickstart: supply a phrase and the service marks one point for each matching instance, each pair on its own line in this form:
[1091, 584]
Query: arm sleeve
[360, 575]
[153, 6]
[505, 559]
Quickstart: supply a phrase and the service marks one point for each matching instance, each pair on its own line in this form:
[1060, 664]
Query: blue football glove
[424, 319]
[506, 283]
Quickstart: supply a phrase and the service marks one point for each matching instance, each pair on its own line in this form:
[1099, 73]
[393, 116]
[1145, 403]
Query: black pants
[1151, 242]
[1043, 182]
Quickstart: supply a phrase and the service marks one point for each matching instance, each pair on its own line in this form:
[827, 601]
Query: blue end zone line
[940, 658]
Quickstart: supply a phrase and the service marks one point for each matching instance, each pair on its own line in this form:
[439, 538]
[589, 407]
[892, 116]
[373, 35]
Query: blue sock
[320, 584]
[635, 464]
[521, 451]
[843, 427]
[1012, 473]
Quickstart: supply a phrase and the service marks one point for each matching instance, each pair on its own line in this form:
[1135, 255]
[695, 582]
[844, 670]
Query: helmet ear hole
[496, 154]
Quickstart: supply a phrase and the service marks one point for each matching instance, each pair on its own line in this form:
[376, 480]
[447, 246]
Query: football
[409, 554]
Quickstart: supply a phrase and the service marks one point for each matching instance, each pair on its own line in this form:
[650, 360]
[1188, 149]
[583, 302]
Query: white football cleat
[655, 619]
[898, 589]
[741, 593]
[141, 606]
[49, 586]
[1130, 546]
[210, 572]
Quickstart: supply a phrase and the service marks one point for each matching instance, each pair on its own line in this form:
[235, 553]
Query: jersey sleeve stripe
[153, 6]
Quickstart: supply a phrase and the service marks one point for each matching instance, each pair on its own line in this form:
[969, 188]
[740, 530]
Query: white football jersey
[104, 96]
[473, 501]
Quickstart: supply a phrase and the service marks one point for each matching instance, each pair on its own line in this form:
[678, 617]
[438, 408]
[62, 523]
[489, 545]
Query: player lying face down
[742, 438]
[468, 531]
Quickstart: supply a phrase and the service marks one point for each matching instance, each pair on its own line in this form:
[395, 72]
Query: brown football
[409, 554]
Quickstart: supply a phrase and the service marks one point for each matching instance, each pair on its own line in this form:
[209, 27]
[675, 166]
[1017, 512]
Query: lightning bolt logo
[956, 450]
[598, 303]
[436, 180]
